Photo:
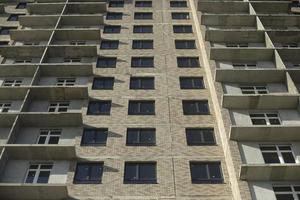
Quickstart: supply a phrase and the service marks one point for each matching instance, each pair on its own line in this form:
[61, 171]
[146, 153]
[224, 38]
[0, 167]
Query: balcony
[217, 7]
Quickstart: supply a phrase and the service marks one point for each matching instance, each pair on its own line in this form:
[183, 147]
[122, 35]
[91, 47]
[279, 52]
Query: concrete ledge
[66, 69]
[38, 20]
[55, 93]
[22, 51]
[270, 172]
[13, 93]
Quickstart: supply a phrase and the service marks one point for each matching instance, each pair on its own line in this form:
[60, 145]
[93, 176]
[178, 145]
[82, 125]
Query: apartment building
[149, 99]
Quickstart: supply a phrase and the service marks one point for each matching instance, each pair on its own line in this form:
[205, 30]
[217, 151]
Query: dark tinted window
[2, 43]
[199, 136]
[114, 15]
[142, 44]
[181, 16]
[143, 29]
[142, 83]
[112, 29]
[103, 83]
[185, 44]
[191, 83]
[4, 31]
[94, 136]
[195, 107]
[206, 172]
[178, 4]
[88, 173]
[144, 172]
[118, 4]
[182, 29]
[186, 62]
[21, 5]
[143, 4]
[106, 62]
[141, 108]
[109, 44]
[143, 15]
[13, 17]
[140, 136]
[99, 108]
[142, 62]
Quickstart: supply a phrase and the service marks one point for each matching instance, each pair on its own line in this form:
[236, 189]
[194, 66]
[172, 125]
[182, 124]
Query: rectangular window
[290, 45]
[143, 4]
[182, 29]
[200, 136]
[143, 15]
[178, 4]
[140, 172]
[4, 43]
[188, 62]
[13, 17]
[143, 29]
[237, 45]
[72, 60]
[116, 4]
[244, 64]
[180, 16]
[144, 83]
[112, 29]
[142, 44]
[140, 137]
[206, 172]
[191, 83]
[99, 108]
[144, 62]
[287, 192]
[22, 61]
[103, 83]
[65, 81]
[106, 62]
[38, 173]
[195, 107]
[88, 173]
[277, 154]
[4, 30]
[77, 42]
[4, 107]
[114, 16]
[254, 89]
[185, 44]
[94, 137]
[269, 118]
[12, 82]
[58, 106]
[49, 136]
[21, 5]
[109, 44]
[141, 107]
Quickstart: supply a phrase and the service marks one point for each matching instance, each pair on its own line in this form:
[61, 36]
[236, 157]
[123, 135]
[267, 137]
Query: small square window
[61, 106]
[65, 81]
[142, 44]
[114, 16]
[206, 172]
[99, 108]
[185, 44]
[195, 107]
[180, 16]
[103, 83]
[106, 62]
[188, 62]
[109, 44]
[178, 4]
[200, 136]
[143, 107]
[144, 83]
[191, 83]
[12, 82]
[140, 137]
[94, 137]
[21, 5]
[182, 29]
[144, 62]
[112, 29]
[144, 4]
[116, 4]
[143, 15]
[88, 173]
[143, 29]
[140, 173]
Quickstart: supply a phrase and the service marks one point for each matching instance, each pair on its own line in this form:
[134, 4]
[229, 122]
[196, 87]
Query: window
[140, 137]
[109, 44]
[114, 16]
[237, 45]
[195, 107]
[22, 61]
[50, 136]
[143, 4]
[12, 82]
[142, 62]
[72, 60]
[185, 44]
[244, 64]
[88, 173]
[112, 29]
[4, 31]
[38, 173]
[13, 17]
[106, 62]
[277, 153]
[4, 107]
[141, 108]
[178, 4]
[287, 192]
[58, 106]
[143, 15]
[269, 118]
[3, 43]
[180, 16]
[255, 89]
[116, 4]
[142, 83]
[94, 136]
[182, 29]
[143, 172]
[191, 83]
[206, 172]
[21, 5]
[290, 45]
[65, 81]
[142, 29]
[77, 42]
[200, 136]
[103, 83]
[99, 108]
[142, 44]
[188, 62]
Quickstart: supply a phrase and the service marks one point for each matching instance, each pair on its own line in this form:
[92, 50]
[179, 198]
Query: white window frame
[265, 117]
[37, 171]
[5, 106]
[49, 135]
[15, 82]
[57, 106]
[293, 191]
[256, 89]
[64, 81]
[278, 151]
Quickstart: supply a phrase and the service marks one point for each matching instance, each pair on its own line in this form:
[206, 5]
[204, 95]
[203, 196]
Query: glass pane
[82, 172]
[214, 171]
[43, 177]
[284, 197]
[194, 137]
[131, 172]
[42, 140]
[30, 177]
[208, 136]
[282, 188]
[271, 158]
[199, 172]
[147, 107]
[288, 157]
[96, 172]
[147, 137]
[259, 121]
[132, 137]
[147, 171]
[53, 140]
[274, 121]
